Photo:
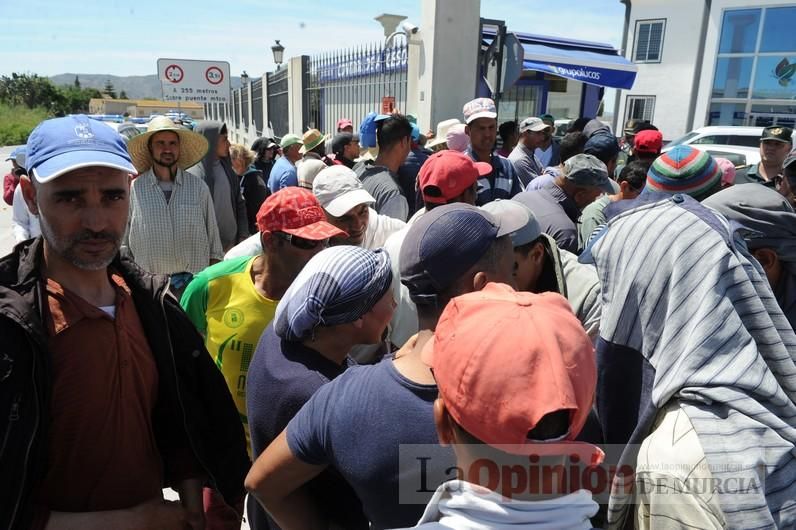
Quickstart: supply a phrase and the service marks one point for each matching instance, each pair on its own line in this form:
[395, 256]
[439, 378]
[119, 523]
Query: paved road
[6, 236]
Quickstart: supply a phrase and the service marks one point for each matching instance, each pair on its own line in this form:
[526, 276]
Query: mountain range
[135, 86]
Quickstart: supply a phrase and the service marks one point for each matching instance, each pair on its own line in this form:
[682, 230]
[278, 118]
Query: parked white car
[738, 155]
[720, 135]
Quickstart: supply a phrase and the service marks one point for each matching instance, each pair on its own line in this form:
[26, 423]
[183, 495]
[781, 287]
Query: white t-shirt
[461, 505]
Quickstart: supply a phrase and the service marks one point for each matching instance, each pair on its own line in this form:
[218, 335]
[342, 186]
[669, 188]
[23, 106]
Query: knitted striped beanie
[684, 169]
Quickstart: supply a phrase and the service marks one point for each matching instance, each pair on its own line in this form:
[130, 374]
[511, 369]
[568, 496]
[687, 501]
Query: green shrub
[17, 122]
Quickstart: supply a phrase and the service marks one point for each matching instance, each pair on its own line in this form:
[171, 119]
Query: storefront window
[732, 77]
[767, 115]
[778, 30]
[775, 78]
[756, 64]
[739, 31]
[727, 114]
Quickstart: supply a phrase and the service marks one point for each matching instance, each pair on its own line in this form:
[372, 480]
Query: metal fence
[257, 106]
[235, 108]
[244, 107]
[278, 101]
[351, 83]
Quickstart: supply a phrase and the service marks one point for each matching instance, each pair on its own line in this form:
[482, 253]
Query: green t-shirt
[225, 306]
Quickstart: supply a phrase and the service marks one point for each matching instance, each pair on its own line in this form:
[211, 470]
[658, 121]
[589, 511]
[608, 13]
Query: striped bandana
[706, 320]
[337, 286]
[684, 170]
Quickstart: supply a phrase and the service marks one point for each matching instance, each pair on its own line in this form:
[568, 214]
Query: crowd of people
[388, 329]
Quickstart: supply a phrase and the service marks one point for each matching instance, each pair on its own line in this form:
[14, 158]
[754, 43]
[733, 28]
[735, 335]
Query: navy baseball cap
[603, 146]
[61, 145]
[444, 243]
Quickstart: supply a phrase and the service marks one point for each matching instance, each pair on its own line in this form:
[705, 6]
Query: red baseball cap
[504, 359]
[295, 211]
[447, 174]
[648, 141]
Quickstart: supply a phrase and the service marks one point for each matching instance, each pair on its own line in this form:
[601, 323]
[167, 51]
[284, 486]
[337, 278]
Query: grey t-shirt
[222, 203]
[383, 185]
[525, 163]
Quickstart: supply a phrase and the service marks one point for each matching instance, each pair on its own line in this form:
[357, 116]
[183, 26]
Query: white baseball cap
[338, 189]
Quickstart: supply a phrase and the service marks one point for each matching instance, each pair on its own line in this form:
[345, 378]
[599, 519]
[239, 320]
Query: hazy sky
[122, 37]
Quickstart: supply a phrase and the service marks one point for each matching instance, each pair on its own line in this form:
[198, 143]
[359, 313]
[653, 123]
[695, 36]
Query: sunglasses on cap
[301, 243]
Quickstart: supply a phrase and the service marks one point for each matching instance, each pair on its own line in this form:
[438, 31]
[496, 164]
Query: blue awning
[588, 62]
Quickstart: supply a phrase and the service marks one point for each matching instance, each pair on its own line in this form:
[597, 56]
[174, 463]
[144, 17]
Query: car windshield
[682, 139]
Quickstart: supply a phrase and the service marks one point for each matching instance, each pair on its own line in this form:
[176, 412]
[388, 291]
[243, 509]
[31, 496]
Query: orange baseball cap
[504, 359]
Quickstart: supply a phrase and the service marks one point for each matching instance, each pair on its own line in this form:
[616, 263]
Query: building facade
[710, 62]
[143, 108]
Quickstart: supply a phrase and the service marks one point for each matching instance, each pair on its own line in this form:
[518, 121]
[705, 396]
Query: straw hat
[193, 146]
[312, 139]
[442, 132]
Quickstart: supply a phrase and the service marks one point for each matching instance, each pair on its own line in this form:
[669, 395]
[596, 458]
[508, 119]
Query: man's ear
[537, 254]
[444, 424]
[29, 194]
[767, 258]
[480, 280]
[267, 241]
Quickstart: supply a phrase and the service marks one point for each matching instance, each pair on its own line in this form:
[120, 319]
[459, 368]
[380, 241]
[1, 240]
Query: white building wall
[712, 37]
[671, 80]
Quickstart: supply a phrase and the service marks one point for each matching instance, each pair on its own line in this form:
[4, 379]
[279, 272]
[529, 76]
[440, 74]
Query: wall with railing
[314, 92]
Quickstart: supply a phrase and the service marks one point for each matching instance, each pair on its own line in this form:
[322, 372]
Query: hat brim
[482, 114]
[483, 168]
[317, 231]
[437, 141]
[774, 140]
[342, 204]
[193, 148]
[309, 147]
[66, 162]
[536, 128]
[290, 143]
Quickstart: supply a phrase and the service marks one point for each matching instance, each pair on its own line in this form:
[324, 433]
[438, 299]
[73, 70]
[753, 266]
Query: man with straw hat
[313, 150]
[172, 223]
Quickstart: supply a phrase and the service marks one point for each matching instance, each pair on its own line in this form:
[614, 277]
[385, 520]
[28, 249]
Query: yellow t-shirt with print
[228, 310]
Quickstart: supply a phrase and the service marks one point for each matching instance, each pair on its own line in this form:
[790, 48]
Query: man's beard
[165, 164]
[65, 247]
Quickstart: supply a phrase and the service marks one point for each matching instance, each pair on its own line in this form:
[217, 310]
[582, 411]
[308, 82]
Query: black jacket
[254, 190]
[194, 409]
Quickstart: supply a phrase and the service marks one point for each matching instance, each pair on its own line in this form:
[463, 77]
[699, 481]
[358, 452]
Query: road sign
[511, 71]
[184, 80]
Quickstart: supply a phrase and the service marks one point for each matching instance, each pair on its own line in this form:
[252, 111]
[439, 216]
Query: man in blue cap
[380, 178]
[111, 392]
[341, 298]
[11, 179]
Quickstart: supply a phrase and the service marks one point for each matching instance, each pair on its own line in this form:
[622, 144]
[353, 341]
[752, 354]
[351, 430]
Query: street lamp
[244, 78]
[278, 50]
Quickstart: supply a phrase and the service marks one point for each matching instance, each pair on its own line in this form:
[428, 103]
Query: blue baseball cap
[415, 132]
[444, 243]
[61, 145]
[603, 146]
[367, 129]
